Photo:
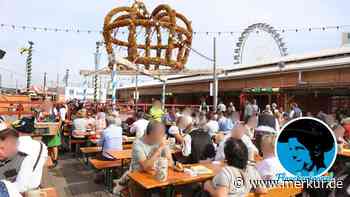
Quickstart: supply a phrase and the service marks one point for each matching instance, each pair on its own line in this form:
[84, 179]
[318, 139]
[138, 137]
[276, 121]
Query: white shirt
[222, 107]
[220, 154]
[111, 139]
[186, 145]
[252, 150]
[63, 113]
[139, 127]
[11, 189]
[213, 127]
[173, 130]
[269, 167]
[55, 112]
[27, 179]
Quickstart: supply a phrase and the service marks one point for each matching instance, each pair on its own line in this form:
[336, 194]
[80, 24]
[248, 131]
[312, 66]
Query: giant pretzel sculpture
[173, 54]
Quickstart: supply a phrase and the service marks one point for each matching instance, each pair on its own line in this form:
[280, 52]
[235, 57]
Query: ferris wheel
[272, 47]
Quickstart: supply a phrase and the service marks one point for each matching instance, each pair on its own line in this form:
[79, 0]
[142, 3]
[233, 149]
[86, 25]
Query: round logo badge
[306, 147]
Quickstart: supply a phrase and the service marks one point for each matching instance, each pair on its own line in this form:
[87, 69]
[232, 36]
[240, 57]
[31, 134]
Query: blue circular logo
[306, 147]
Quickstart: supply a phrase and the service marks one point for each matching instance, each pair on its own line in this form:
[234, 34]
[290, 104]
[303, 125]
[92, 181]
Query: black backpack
[199, 145]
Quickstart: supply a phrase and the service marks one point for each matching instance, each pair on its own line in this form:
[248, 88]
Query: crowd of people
[183, 136]
[227, 135]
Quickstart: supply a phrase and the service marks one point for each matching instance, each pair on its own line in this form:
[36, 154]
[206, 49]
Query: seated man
[111, 138]
[212, 125]
[269, 166]
[147, 150]
[29, 176]
[139, 126]
[150, 147]
[196, 144]
[21, 165]
[237, 132]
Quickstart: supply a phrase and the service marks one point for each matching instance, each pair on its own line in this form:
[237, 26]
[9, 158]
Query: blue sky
[55, 52]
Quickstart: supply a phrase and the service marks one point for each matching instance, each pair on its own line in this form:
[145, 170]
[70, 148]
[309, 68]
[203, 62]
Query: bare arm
[215, 192]
[148, 164]
[179, 138]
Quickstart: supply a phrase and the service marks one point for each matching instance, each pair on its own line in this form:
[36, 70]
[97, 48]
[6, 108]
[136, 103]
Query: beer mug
[172, 142]
[161, 169]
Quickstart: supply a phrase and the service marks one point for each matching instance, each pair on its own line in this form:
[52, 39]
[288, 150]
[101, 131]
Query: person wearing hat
[307, 142]
[31, 168]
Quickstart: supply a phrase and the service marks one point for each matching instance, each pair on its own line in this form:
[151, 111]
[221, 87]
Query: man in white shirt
[212, 125]
[221, 107]
[269, 167]
[29, 176]
[237, 132]
[111, 137]
[139, 126]
[34, 155]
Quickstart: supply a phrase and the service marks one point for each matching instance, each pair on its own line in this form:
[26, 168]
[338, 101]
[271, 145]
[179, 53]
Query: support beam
[107, 71]
[215, 84]
[163, 94]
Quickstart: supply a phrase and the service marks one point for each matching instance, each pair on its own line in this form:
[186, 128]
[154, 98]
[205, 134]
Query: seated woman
[236, 172]
[80, 124]
[269, 166]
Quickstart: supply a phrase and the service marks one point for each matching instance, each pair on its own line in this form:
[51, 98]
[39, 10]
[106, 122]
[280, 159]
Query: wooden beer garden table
[147, 179]
[121, 155]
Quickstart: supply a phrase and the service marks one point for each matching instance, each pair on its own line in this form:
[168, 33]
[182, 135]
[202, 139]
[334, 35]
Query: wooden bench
[107, 167]
[90, 151]
[77, 143]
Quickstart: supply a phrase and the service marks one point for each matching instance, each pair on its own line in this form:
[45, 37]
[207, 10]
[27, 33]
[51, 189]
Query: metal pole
[67, 77]
[215, 84]
[114, 84]
[29, 65]
[97, 62]
[45, 74]
[57, 87]
[163, 95]
[136, 87]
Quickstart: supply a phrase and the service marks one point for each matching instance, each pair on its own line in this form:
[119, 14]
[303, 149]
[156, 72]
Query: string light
[219, 33]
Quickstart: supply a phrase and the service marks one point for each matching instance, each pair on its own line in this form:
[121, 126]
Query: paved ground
[72, 178]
